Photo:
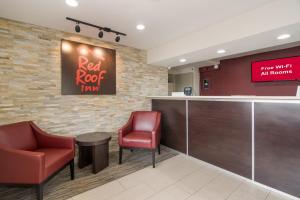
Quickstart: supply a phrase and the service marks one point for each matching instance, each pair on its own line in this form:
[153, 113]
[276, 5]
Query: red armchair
[141, 131]
[29, 156]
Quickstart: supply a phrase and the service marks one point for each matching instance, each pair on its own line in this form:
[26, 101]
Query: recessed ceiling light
[140, 27]
[216, 66]
[182, 60]
[72, 3]
[283, 36]
[220, 51]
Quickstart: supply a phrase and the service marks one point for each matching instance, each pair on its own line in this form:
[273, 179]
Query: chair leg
[72, 169]
[120, 155]
[39, 191]
[153, 158]
[158, 149]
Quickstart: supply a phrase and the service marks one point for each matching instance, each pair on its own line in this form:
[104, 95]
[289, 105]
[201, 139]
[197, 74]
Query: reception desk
[255, 137]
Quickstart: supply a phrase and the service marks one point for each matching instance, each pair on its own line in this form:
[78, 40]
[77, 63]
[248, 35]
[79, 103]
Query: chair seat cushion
[55, 159]
[138, 139]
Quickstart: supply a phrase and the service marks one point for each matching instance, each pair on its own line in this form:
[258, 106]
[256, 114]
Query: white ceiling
[252, 30]
[173, 27]
[186, 68]
[165, 20]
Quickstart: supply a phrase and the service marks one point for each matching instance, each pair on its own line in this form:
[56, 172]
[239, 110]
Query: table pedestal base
[96, 155]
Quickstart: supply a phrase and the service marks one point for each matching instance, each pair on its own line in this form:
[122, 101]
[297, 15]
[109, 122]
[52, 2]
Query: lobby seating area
[61, 187]
[150, 100]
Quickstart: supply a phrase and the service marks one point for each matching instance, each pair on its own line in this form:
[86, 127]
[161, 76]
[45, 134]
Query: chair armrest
[125, 129]
[18, 166]
[52, 141]
[156, 132]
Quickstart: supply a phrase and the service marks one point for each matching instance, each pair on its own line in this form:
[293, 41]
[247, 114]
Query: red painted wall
[234, 77]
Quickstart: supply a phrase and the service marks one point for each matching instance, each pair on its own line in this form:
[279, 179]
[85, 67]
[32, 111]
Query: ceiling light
[220, 51]
[283, 36]
[140, 27]
[100, 35]
[77, 28]
[118, 39]
[182, 60]
[99, 28]
[72, 3]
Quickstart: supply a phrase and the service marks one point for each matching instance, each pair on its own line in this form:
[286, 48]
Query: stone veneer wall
[30, 82]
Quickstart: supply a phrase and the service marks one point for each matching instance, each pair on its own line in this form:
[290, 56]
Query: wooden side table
[93, 148]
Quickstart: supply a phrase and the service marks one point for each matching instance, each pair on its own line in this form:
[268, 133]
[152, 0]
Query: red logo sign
[276, 70]
[88, 73]
[87, 69]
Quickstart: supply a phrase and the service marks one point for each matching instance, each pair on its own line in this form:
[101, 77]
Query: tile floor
[178, 178]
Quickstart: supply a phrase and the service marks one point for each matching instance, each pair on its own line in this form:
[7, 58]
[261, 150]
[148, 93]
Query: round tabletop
[92, 139]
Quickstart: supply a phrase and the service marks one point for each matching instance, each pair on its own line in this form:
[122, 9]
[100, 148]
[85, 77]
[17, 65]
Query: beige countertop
[276, 99]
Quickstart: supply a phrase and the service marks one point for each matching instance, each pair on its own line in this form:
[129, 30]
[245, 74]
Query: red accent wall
[234, 77]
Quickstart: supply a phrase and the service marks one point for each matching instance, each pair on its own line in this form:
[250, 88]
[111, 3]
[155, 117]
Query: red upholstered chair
[29, 156]
[141, 131]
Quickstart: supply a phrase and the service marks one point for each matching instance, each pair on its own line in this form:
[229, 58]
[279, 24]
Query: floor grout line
[205, 185]
[177, 181]
[234, 190]
[118, 180]
[165, 188]
[269, 194]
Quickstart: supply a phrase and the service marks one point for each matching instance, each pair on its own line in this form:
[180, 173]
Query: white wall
[185, 72]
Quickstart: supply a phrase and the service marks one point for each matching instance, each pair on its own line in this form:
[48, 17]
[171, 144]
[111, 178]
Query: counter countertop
[292, 99]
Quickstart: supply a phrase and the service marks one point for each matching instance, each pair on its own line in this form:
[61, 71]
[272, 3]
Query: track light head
[77, 28]
[100, 35]
[118, 38]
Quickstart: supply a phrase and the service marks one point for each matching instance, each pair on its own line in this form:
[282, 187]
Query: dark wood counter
[221, 136]
[254, 137]
[277, 146]
[174, 123]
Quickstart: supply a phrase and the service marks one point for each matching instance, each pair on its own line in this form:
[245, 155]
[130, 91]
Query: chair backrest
[144, 120]
[17, 136]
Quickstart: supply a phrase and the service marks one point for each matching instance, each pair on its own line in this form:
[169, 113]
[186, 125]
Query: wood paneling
[173, 123]
[220, 134]
[277, 146]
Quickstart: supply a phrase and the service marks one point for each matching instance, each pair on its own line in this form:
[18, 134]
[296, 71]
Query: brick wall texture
[30, 82]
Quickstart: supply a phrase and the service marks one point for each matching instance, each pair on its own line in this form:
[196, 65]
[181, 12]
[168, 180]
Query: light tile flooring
[178, 178]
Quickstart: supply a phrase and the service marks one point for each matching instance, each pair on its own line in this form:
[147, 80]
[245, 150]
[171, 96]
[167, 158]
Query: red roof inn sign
[87, 69]
[283, 69]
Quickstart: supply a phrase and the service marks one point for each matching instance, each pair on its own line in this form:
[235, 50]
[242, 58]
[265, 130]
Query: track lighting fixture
[101, 29]
[77, 28]
[100, 35]
[118, 38]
